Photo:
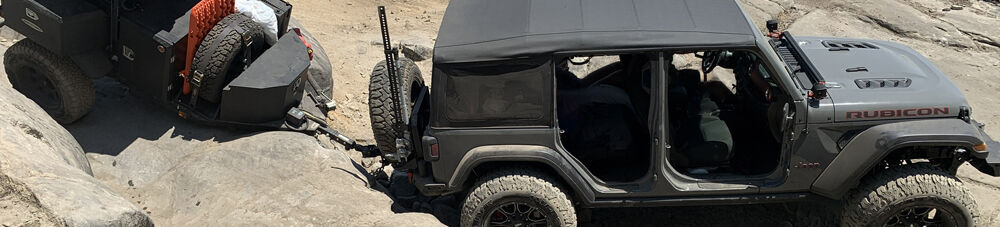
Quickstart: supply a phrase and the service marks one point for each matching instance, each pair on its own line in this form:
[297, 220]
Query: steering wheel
[583, 61]
[709, 60]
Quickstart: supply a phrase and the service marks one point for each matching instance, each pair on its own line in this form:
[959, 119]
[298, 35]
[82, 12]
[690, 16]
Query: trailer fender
[95, 63]
[872, 145]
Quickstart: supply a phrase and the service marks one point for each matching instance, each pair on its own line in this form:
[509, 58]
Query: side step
[704, 201]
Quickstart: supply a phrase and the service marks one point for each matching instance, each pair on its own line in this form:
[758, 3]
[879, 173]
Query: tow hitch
[297, 118]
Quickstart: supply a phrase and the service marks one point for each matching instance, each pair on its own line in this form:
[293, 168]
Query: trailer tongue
[299, 118]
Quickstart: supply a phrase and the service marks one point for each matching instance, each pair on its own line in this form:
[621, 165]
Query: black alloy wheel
[37, 87]
[923, 212]
[518, 211]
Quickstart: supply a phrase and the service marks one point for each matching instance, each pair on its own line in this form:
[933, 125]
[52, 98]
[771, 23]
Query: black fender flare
[872, 145]
[521, 153]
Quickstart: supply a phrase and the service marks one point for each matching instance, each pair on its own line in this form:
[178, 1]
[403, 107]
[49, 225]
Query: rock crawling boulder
[272, 178]
[45, 179]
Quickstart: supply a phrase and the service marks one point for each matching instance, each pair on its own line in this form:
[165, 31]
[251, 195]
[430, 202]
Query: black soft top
[485, 30]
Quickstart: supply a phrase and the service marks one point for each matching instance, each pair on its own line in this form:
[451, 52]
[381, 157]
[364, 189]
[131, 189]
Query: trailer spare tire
[380, 101]
[220, 57]
[54, 82]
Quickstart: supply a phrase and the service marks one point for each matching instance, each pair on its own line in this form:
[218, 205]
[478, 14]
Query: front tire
[54, 82]
[518, 198]
[915, 194]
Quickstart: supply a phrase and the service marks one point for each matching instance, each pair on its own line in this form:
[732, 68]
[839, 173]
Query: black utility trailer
[229, 76]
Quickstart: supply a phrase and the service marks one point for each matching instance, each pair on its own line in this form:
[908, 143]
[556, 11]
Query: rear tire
[54, 82]
[532, 195]
[910, 194]
[380, 101]
[218, 56]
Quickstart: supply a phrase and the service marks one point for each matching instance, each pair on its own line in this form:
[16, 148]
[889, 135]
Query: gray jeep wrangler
[541, 109]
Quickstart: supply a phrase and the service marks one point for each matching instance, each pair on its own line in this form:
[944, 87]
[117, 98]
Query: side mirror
[772, 26]
[772, 29]
[818, 90]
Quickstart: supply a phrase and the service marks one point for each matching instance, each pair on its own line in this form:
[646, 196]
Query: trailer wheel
[380, 101]
[911, 195]
[518, 197]
[54, 82]
[220, 55]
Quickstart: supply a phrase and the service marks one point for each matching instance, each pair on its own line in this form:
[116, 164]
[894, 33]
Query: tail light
[432, 149]
[435, 153]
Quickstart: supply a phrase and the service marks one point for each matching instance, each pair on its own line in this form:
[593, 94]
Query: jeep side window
[509, 94]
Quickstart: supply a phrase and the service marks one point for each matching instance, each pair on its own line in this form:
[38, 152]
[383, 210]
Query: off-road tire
[497, 188]
[74, 91]
[380, 101]
[221, 47]
[882, 194]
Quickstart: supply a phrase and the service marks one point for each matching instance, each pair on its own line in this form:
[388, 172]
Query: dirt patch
[20, 207]
[29, 130]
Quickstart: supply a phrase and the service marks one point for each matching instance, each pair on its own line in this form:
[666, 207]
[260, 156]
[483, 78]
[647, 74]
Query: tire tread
[877, 192]
[380, 101]
[213, 61]
[74, 88]
[519, 180]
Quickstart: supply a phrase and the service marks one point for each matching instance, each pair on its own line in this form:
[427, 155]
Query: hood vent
[841, 46]
[882, 83]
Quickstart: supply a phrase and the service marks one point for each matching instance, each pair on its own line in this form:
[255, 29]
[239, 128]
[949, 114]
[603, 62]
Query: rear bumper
[987, 161]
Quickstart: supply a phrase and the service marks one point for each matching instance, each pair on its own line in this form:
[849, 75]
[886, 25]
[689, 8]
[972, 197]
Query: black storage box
[153, 41]
[271, 86]
[66, 27]
[284, 12]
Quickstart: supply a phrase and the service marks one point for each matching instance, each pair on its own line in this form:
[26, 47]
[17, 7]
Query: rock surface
[264, 179]
[416, 52]
[45, 179]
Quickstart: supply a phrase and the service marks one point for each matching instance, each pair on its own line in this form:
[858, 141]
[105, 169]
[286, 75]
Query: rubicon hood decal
[898, 113]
